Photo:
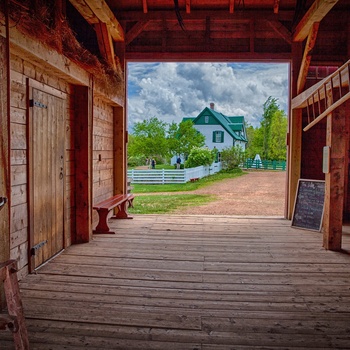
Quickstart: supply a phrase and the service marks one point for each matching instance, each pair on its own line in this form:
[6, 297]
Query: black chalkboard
[309, 203]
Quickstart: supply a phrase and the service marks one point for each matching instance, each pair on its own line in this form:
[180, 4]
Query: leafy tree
[256, 143]
[232, 157]
[200, 156]
[277, 140]
[149, 138]
[268, 140]
[184, 137]
[270, 107]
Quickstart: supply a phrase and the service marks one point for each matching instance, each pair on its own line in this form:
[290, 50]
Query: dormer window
[206, 119]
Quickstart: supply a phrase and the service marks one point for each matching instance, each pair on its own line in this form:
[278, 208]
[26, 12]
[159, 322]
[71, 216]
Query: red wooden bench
[194, 179]
[121, 201]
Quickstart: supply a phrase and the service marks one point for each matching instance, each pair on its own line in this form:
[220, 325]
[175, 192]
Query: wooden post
[293, 136]
[294, 159]
[5, 182]
[120, 132]
[346, 216]
[83, 163]
[120, 161]
[337, 136]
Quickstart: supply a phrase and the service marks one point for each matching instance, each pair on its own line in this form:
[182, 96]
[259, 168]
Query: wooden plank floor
[193, 282]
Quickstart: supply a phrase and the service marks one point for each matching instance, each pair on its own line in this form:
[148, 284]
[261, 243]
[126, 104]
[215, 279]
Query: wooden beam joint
[316, 13]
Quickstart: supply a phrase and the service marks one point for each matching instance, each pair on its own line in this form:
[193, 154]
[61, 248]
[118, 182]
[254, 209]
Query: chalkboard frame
[297, 206]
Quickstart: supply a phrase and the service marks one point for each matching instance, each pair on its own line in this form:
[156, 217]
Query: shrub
[232, 157]
[200, 156]
[134, 161]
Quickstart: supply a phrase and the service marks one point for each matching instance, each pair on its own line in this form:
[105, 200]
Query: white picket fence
[167, 176]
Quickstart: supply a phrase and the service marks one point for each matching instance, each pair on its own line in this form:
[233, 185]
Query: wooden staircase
[324, 97]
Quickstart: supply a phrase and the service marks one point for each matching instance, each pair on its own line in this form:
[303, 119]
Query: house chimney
[212, 105]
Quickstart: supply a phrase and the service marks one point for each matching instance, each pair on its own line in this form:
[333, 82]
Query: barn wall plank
[102, 151]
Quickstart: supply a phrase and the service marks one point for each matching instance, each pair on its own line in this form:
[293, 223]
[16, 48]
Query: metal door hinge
[33, 103]
[36, 247]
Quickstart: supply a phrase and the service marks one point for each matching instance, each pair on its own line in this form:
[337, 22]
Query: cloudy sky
[171, 91]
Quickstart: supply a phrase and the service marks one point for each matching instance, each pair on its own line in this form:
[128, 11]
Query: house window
[218, 136]
[206, 119]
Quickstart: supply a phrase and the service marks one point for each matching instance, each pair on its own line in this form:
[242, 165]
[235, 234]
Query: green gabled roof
[236, 127]
[236, 119]
[230, 124]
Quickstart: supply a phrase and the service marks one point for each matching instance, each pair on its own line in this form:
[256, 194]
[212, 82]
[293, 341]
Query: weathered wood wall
[35, 62]
[19, 200]
[103, 150]
[20, 71]
[4, 161]
[313, 142]
[103, 156]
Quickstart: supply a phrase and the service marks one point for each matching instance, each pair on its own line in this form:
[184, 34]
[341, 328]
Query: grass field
[167, 203]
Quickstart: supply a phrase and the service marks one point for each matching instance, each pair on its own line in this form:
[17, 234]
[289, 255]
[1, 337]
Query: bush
[200, 156]
[232, 157]
[134, 161]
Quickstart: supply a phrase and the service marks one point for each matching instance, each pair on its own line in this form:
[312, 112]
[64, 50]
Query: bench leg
[122, 213]
[102, 226]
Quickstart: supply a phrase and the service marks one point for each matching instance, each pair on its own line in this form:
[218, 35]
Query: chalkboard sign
[308, 208]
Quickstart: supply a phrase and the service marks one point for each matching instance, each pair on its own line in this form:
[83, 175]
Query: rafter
[232, 6]
[316, 13]
[95, 11]
[304, 68]
[144, 6]
[276, 6]
[194, 15]
[105, 43]
[281, 30]
[188, 6]
[135, 31]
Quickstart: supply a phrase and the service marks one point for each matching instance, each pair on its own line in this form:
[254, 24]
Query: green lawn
[161, 204]
[167, 203]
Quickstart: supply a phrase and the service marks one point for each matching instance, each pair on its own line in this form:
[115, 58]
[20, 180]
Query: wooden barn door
[47, 173]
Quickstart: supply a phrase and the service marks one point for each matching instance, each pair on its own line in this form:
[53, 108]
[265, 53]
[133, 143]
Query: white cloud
[171, 91]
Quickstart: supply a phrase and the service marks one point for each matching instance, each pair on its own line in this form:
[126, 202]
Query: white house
[220, 131]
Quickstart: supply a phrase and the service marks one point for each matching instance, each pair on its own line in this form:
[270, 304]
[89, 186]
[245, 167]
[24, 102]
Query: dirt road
[259, 193]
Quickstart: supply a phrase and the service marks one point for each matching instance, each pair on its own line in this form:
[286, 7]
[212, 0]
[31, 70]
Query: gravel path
[259, 193]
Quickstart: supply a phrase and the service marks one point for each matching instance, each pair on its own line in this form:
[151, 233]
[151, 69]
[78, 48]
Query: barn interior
[63, 115]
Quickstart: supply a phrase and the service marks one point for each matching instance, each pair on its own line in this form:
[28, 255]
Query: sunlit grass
[161, 204]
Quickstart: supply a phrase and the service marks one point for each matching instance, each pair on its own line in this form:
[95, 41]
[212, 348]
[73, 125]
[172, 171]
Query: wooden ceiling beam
[144, 6]
[95, 11]
[276, 5]
[316, 13]
[232, 6]
[195, 15]
[188, 6]
[281, 30]
[305, 63]
[105, 43]
[84, 9]
[135, 31]
[204, 56]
